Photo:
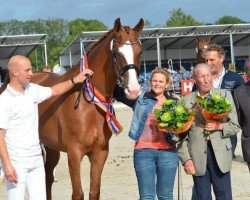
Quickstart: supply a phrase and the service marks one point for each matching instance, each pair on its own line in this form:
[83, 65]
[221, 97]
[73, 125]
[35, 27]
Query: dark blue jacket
[231, 80]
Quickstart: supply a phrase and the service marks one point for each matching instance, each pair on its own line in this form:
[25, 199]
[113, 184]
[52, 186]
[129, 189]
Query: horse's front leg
[74, 162]
[97, 161]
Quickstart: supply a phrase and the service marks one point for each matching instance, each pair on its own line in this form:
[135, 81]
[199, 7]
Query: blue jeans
[155, 172]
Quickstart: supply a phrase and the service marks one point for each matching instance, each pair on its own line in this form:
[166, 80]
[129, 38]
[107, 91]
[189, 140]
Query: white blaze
[127, 51]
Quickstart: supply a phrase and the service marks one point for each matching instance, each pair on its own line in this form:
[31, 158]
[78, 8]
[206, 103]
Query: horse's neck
[101, 62]
[199, 58]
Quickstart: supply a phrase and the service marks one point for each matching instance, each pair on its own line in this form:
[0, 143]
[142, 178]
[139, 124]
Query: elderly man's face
[204, 80]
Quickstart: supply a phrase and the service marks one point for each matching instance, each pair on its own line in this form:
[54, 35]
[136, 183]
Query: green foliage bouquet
[214, 108]
[174, 117]
[214, 103]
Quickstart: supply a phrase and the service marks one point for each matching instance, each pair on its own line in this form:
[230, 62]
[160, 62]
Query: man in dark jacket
[242, 98]
[222, 77]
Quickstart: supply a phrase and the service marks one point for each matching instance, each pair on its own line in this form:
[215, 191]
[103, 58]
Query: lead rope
[81, 91]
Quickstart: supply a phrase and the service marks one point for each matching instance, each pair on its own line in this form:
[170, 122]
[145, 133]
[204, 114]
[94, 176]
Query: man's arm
[9, 170]
[63, 87]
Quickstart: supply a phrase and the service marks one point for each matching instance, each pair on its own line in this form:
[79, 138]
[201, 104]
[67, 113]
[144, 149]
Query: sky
[130, 11]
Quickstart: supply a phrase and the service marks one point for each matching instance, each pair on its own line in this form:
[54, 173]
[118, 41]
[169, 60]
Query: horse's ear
[117, 24]
[197, 39]
[209, 38]
[139, 26]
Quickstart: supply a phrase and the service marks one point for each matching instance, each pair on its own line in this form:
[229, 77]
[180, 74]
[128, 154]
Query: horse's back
[44, 78]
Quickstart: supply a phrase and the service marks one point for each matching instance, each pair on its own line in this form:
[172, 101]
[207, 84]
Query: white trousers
[1, 173]
[31, 177]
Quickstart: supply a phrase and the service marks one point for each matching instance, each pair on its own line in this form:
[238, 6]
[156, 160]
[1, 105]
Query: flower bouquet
[174, 117]
[214, 108]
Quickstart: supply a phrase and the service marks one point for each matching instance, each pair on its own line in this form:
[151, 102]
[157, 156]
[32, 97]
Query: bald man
[20, 149]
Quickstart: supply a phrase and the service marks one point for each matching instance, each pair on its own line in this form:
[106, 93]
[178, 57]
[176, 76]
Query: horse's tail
[6, 81]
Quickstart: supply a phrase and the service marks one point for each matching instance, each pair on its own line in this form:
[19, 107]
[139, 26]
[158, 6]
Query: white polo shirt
[19, 117]
[218, 81]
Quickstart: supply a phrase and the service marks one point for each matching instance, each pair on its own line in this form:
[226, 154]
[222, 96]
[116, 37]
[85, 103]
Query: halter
[120, 71]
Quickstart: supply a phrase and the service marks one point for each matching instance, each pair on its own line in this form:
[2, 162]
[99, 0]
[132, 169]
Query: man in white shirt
[20, 149]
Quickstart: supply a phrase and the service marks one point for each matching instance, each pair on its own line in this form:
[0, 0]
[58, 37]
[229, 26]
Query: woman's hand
[132, 94]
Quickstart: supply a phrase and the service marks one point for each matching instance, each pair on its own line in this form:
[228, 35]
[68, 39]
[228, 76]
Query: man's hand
[213, 126]
[10, 173]
[82, 76]
[189, 167]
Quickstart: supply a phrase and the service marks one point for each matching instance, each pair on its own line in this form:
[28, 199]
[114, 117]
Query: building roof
[19, 45]
[176, 43]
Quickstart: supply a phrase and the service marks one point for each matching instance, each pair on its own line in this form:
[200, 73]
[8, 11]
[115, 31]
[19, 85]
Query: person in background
[208, 158]
[47, 69]
[57, 69]
[242, 99]
[222, 78]
[155, 158]
[20, 150]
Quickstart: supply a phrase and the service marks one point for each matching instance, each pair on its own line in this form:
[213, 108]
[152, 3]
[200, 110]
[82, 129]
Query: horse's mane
[127, 29]
[99, 41]
[6, 82]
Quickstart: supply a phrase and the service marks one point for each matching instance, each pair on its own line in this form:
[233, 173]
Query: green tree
[178, 18]
[12, 27]
[229, 20]
[59, 33]
[79, 25]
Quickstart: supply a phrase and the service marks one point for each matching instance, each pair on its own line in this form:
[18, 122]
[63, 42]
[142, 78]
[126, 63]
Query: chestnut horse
[81, 129]
[201, 45]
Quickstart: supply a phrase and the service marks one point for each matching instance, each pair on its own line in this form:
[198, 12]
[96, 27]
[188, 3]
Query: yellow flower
[168, 102]
[216, 97]
[166, 116]
[179, 110]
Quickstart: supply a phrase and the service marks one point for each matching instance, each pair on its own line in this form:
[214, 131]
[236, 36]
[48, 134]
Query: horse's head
[126, 49]
[202, 44]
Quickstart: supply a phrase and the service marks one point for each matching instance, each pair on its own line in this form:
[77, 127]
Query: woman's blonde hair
[159, 70]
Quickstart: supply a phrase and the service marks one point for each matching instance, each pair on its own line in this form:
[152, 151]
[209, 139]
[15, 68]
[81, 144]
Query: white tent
[161, 44]
[20, 45]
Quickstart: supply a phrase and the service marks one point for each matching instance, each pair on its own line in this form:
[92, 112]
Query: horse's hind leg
[97, 161]
[52, 158]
